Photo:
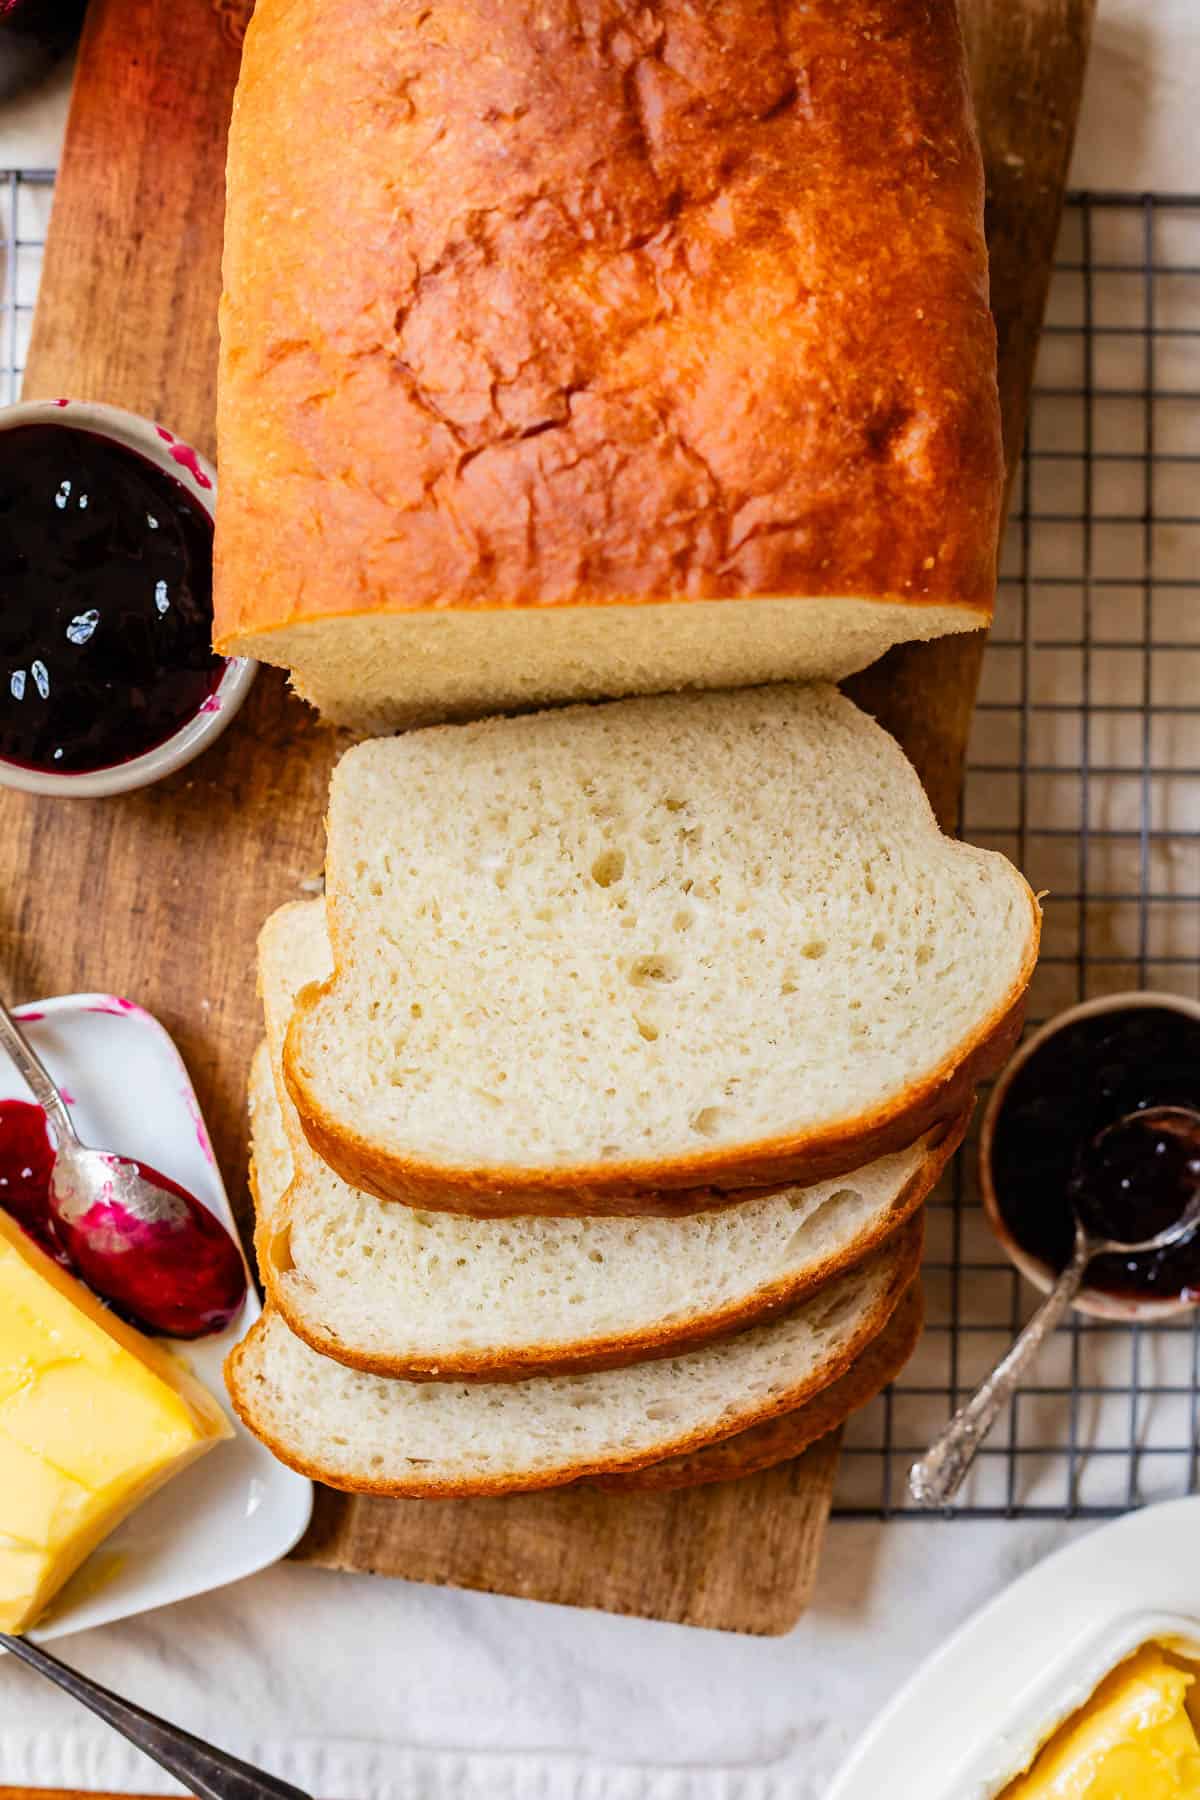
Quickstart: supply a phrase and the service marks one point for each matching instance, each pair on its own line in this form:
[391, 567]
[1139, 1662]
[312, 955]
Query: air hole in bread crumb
[708, 1120]
[924, 954]
[815, 949]
[596, 1256]
[415, 1010]
[673, 803]
[662, 1409]
[684, 919]
[787, 986]
[657, 967]
[879, 941]
[280, 1251]
[608, 867]
[646, 1030]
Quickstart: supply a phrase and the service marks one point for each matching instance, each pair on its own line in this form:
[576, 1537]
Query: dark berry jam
[1133, 1185]
[26, 1161]
[105, 601]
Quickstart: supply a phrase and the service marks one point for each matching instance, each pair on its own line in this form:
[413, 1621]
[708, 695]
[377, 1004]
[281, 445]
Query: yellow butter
[93, 1418]
[1134, 1740]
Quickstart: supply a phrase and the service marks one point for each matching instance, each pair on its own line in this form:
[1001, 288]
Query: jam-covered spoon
[1116, 1190]
[137, 1238]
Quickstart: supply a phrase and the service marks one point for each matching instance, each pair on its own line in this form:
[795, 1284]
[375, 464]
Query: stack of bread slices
[601, 1092]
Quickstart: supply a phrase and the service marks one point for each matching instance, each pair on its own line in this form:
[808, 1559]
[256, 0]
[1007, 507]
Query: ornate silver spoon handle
[937, 1477]
[206, 1772]
[13, 1039]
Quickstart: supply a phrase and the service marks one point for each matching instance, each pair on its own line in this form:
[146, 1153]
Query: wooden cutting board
[159, 895]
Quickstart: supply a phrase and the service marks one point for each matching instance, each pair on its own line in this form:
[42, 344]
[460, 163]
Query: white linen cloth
[361, 1689]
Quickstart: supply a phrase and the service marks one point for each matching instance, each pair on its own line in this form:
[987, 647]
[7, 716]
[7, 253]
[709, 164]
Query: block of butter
[93, 1418]
[1133, 1740]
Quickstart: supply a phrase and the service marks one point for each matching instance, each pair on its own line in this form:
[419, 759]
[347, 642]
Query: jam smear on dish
[179, 1274]
[26, 1161]
[105, 601]
[1082, 1079]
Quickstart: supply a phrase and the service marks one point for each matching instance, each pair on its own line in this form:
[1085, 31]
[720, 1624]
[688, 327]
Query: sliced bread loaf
[435, 1439]
[632, 958]
[778, 1440]
[403, 1292]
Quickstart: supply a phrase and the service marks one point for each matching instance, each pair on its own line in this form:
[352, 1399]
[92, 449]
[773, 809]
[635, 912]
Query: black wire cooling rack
[1084, 767]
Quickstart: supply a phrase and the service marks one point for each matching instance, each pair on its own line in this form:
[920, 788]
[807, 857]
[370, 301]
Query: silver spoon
[134, 1235]
[934, 1480]
[205, 1771]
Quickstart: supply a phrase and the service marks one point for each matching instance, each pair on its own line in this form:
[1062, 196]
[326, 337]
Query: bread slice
[634, 958]
[436, 1439]
[778, 1440]
[401, 1292]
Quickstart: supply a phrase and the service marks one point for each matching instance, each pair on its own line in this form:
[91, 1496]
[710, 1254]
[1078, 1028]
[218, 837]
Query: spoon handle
[206, 1772]
[33, 1072]
[934, 1480]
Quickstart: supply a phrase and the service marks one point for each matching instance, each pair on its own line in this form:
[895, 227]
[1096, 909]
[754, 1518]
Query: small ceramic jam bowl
[165, 452]
[1125, 1309]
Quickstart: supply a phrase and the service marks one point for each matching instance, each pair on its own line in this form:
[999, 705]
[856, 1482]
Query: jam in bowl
[1051, 1146]
[108, 678]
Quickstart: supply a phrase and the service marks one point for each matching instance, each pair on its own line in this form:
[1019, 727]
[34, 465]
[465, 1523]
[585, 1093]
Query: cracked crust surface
[602, 305]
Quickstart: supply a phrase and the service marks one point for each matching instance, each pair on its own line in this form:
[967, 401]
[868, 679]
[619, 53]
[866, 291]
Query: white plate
[974, 1714]
[237, 1509]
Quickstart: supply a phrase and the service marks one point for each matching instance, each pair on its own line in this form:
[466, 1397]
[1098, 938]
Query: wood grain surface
[159, 895]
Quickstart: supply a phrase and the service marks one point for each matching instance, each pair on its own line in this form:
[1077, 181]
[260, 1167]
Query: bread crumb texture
[632, 932]
[402, 1290]
[367, 1432]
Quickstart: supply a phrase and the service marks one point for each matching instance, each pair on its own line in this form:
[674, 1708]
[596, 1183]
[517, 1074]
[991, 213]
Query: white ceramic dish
[1122, 1309]
[238, 1509]
[975, 1713]
[169, 453]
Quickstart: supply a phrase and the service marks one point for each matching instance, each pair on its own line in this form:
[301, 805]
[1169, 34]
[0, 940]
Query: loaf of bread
[369, 1434]
[397, 1291]
[585, 349]
[643, 957]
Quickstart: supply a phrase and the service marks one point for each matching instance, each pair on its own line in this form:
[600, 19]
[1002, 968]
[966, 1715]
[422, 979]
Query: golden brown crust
[778, 1440]
[697, 1183]
[664, 303]
[423, 1487]
[586, 1355]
